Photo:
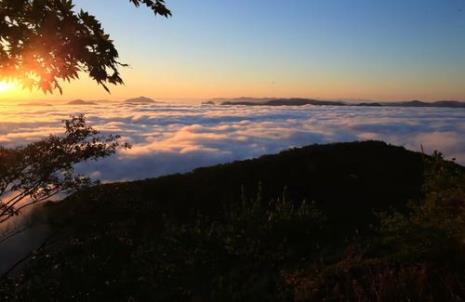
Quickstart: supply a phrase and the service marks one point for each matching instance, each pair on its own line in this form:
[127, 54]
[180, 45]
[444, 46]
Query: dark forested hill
[339, 222]
[347, 180]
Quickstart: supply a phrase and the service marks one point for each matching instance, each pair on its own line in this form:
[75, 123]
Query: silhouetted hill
[81, 103]
[452, 104]
[300, 225]
[241, 99]
[348, 180]
[416, 103]
[140, 101]
[302, 101]
[285, 102]
[32, 104]
[368, 104]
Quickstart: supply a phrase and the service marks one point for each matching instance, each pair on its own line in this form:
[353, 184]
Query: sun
[6, 86]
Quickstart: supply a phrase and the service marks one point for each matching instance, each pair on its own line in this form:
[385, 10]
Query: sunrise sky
[331, 49]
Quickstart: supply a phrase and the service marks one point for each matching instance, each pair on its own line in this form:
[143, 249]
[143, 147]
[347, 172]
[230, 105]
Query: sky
[327, 49]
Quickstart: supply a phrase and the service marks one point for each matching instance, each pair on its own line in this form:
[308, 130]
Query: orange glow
[196, 85]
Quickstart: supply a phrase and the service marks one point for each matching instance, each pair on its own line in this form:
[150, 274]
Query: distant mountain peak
[35, 104]
[81, 102]
[141, 100]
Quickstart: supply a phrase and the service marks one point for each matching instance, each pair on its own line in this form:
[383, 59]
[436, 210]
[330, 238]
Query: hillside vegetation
[341, 222]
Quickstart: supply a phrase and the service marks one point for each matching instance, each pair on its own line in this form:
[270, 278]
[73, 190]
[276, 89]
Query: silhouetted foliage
[432, 225]
[414, 255]
[43, 42]
[38, 171]
[235, 258]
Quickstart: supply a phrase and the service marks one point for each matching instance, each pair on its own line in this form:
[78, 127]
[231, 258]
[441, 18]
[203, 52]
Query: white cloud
[178, 138]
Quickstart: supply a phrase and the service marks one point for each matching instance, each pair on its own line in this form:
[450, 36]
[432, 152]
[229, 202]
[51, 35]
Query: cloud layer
[178, 138]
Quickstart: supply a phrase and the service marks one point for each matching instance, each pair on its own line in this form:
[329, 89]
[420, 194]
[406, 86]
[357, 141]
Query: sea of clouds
[170, 138]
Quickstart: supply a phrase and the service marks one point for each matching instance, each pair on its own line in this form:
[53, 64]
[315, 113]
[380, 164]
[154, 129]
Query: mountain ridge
[244, 101]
